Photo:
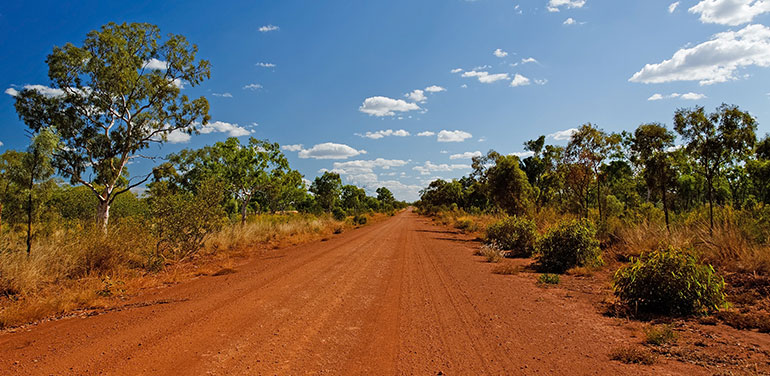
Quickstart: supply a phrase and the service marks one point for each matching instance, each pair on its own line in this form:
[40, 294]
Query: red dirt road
[397, 297]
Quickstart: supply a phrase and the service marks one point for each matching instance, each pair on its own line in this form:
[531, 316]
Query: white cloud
[563, 135]
[384, 106]
[464, 86]
[466, 155]
[366, 166]
[252, 87]
[687, 96]
[569, 21]
[232, 130]
[453, 136]
[330, 150]
[267, 28]
[223, 95]
[295, 147]
[384, 133]
[178, 137]
[430, 167]
[11, 91]
[485, 77]
[523, 154]
[155, 64]
[417, 96]
[730, 12]
[456, 70]
[713, 61]
[500, 53]
[44, 90]
[426, 134]
[541, 82]
[265, 65]
[519, 80]
[554, 5]
[672, 7]
[434, 89]
[529, 60]
[178, 83]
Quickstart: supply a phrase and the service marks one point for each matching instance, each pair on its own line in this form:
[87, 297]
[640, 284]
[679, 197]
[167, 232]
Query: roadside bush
[466, 224]
[513, 234]
[338, 213]
[548, 279]
[669, 281]
[359, 219]
[569, 244]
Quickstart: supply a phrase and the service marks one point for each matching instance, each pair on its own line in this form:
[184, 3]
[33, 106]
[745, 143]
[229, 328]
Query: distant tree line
[720, 162]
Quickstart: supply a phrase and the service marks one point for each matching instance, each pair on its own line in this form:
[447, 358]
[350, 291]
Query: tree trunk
[103, 214]
[244, 207]
[29, 223]
[599, 196]
[711, 208]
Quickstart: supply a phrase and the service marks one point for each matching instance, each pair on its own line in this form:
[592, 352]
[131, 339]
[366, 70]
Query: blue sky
[350, 86]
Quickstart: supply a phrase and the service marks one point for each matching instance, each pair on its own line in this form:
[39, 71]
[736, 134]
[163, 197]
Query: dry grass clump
[660, 334]
[492, 253]
[506, 268]
[633, 355]
[744, 321]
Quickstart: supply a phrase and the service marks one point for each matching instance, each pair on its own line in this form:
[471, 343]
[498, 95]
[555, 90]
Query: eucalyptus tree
[716, 140]
[588, 148]
[112, 97]
[508, 185]
[36, 166]
[650, 144]
[327, 189]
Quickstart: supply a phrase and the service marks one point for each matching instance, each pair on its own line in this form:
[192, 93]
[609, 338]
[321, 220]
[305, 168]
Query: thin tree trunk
[244, 207]
[103, 214]
[665, 201]
[711, 208]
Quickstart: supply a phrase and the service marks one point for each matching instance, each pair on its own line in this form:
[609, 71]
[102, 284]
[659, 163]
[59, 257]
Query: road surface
[399, 297]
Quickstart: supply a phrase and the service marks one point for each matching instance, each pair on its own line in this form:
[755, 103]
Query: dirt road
[397, 297]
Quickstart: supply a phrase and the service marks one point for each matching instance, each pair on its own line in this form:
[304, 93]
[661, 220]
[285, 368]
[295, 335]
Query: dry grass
[492, 253]
[633, 355]
[660, 334]
[76, 267]
[506, 268]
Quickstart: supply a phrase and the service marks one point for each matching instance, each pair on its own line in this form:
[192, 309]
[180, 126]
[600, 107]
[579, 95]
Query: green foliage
[517, 235]
[569, 244]
[669, 281]
[660, 334]
[548, 279]
[338, 213]
[359, 219]
[327, 189]
[508, 185]
[181, 220]
[100, 133]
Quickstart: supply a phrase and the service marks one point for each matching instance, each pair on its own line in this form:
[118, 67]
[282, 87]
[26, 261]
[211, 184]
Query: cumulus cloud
[563, 135]
[672, 7]
[252, 87]
[155, 64]
[266, 65]
[554, 5]
[430, 167]
[434, 89]
[44, 90]
[384, 106]
[232, 130]
[11, 91]
[713, 61]
[366, 166]
[426, 134]
[485, 77]
[178, 137]
[687, 96]
[453, 136]
[466, 155]
[519, 80]
[223, 95]
[523, 154]
[456, 70]
[417, 96]
[330, 150]
[569, 21]
[268, 28]
[528, 60]
[384, 133]
[500, 53]
[295, 147]
[729, 12]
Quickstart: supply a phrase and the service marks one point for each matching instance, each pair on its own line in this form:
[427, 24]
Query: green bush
[514, 234]
[548, 279]
[338, 213]
[359, 219]
[671, 282]
[567, 245]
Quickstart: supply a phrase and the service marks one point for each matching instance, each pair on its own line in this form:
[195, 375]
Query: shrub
[338, 213]
[548, 279]
[514, 234]
[359, 219]
[466, 224]
[669, 281]
[567, 245]
[491, 252]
